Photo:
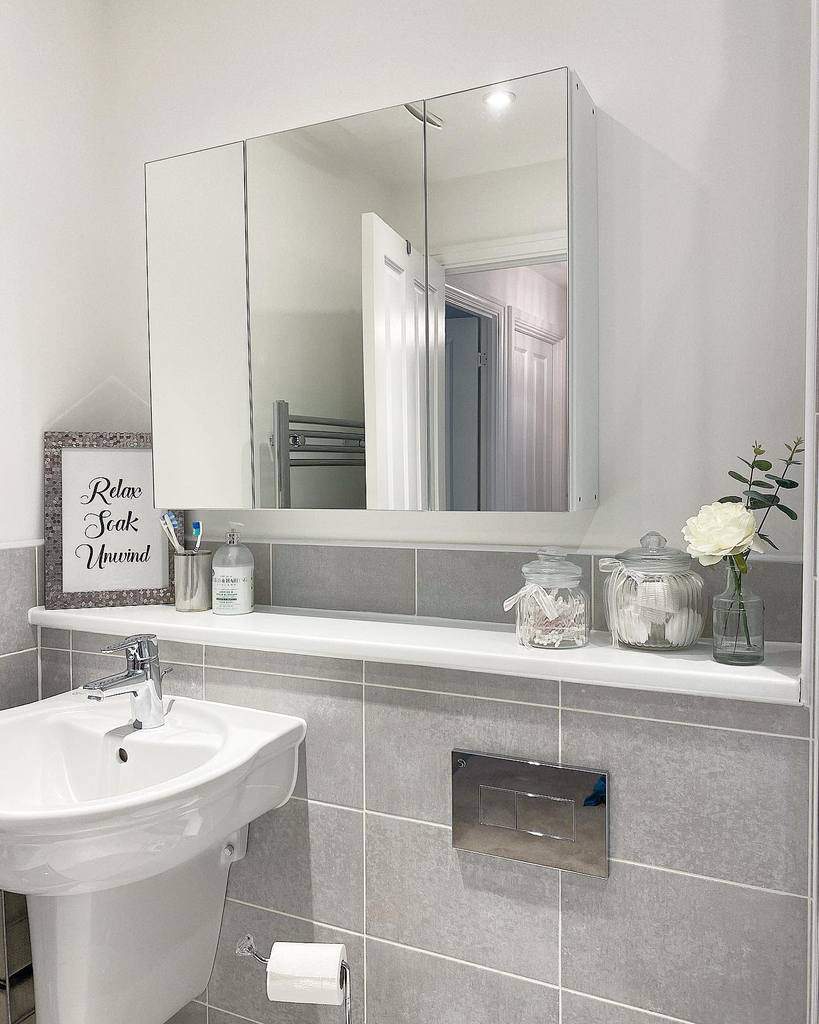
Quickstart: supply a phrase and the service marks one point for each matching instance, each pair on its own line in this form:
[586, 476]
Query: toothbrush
[196, 526]
[170, 524]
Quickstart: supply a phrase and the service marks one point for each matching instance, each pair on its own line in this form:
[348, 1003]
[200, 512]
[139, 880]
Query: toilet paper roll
[306, 972]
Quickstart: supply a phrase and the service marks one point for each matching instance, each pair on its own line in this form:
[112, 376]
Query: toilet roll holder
[247, 947]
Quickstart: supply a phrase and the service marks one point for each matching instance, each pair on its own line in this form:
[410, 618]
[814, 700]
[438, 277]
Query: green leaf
[780, 481]
[738, 476]
[741, 564]
[789, 512]
[767, 539]
[790, 462]
[730, 498]
[762, 483]
[761, 500]
[747, 463]
[762, 464]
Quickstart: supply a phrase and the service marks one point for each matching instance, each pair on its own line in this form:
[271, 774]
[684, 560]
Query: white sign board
[111, 537]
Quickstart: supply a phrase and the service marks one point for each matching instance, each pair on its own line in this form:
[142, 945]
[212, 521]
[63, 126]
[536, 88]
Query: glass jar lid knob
[652, 542]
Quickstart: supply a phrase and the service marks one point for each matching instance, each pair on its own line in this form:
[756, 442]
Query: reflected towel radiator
[305, 441]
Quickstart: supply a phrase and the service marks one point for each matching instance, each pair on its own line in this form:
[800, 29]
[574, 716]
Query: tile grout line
[614, 860]
[364, 818]
[39, 666]
[673, 721]
[283, 675]
[560, 873]
[230, 1013]
[11, 654]
[465, 963]
[415, 588]
[295, 917]
[629, 1006]
[709, 878]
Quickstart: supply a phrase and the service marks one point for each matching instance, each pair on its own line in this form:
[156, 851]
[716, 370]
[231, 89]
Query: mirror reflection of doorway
[506, 378]
[466, 341]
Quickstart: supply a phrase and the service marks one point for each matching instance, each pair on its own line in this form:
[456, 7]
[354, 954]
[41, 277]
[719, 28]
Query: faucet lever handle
[141, 646]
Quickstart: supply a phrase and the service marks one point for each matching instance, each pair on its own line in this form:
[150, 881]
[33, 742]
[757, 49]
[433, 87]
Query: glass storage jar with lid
[653, 598]
[552, 608]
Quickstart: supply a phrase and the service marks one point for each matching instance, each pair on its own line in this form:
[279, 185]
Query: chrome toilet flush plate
[531, 811]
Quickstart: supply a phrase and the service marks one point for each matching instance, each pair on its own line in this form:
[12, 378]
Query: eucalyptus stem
[742, 617]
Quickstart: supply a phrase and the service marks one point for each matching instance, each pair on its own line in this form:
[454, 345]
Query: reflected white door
[395, 368]
[536, 403]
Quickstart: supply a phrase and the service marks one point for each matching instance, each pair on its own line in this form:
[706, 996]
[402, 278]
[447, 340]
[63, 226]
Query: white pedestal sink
[122, 841]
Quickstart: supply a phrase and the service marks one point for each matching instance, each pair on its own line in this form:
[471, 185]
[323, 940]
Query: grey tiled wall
[458, 583]
[704, 917]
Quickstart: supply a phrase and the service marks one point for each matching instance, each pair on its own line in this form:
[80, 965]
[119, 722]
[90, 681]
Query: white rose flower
[723, 528]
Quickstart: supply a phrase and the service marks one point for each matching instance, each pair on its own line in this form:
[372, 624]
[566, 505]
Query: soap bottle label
[233, 591]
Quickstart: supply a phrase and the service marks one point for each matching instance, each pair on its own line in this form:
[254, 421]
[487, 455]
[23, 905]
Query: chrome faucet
[142, 679]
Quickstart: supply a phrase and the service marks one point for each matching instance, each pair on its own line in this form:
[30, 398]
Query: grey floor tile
[238, 983]
[18, 585]
[331, 756]
[59, 639]
[305, 859]
[579, 1009]
[56, 671]
[454, 583]
[344, 578]
[690, 948]
[193, 1013]
[410, 737]
[495, 912]
[451, 680]
[678, 707]
[725, 804]
[18, 679]
[285, 664]
[409, 987]
[174, 651]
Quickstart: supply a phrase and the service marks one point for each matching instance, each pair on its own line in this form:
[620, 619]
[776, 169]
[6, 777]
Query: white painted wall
[64, 363]
[703, 129]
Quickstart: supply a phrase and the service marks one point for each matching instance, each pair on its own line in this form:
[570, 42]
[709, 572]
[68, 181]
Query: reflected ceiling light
[499, 100]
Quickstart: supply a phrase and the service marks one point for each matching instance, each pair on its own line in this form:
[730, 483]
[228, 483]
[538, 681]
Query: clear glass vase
[738, 621]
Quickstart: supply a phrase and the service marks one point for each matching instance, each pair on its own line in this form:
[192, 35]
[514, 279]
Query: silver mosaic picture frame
[54, 443]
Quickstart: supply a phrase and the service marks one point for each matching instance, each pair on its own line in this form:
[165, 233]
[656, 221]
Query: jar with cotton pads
[552, 608]
[653, 597]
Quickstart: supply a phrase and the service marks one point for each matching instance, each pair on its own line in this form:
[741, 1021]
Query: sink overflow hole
[122, 754]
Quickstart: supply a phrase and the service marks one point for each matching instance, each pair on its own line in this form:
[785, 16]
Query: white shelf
[450, 646]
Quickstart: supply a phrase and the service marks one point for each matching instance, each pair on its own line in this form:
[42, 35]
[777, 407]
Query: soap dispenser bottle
[233, 576]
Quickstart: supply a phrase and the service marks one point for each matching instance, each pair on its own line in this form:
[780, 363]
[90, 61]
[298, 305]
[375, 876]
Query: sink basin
[88, 803]
[122, 840]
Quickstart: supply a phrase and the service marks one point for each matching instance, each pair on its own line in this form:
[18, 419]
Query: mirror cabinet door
[502, 331]
[197, 319]
[337, 313]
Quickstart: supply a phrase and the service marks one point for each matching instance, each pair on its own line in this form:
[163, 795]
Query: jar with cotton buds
[652, 596]
[552, 608]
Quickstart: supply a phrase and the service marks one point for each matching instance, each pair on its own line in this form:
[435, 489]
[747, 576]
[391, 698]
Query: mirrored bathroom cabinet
[395, 310]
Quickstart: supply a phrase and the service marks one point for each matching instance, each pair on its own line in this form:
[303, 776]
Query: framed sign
[103, 542]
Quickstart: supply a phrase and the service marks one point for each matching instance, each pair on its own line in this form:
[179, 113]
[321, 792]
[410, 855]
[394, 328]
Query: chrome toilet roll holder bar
[247, 947]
